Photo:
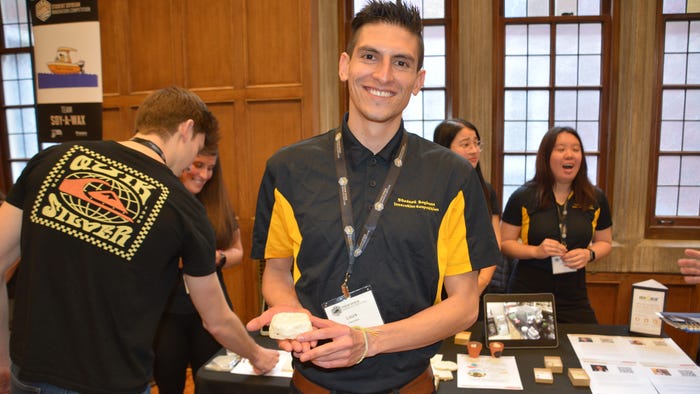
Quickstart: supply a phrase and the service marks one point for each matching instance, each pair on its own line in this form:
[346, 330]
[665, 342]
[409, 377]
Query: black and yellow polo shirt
[535, 275]
[435, 223]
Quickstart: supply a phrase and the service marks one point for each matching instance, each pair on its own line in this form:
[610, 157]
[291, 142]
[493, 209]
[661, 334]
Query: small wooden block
[543, 375]
[462, 338]
[579, 377]
[553, 363]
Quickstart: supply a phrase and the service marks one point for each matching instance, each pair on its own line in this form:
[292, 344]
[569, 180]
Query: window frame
[604, 151]
[6, 176]
[451, 50]
[665, 227]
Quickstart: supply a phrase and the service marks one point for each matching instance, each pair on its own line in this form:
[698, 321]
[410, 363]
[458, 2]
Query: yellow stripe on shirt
[284, 237]
[452, 248]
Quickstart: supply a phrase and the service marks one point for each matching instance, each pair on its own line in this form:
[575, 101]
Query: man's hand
[690, 267]
[264, 360]
[5, 380]
[347, 345]
[288, 345]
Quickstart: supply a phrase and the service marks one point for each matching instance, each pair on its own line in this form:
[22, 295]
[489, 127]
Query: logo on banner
[43, 10]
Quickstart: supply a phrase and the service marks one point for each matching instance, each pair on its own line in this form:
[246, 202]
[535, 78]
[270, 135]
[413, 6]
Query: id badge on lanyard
[359, 309]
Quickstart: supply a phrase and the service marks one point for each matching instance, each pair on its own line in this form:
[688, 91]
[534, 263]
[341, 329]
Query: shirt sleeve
[276, 233]
[605, 217]
[512, 214]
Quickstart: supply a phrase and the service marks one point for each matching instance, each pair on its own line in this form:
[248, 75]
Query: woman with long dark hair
[463, 138]
[555, 225]
[181, 339]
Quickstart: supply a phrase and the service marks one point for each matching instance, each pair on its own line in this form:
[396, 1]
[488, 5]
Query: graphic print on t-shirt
[96, 199]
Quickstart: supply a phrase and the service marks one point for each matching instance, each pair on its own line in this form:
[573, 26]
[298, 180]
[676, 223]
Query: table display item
[543, 375]
[462, 338]
[648, 298]
[288, 325]
[688, 322]
[442, 369]
[496, 349]
[579, 377]
[474, 349]
[553, 363]
[526, 320]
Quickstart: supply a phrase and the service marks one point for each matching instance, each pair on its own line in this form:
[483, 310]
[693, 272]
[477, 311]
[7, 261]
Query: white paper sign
[645, 304]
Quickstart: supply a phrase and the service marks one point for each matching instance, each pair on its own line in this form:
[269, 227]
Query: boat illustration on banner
[65, 73]
[63, 64]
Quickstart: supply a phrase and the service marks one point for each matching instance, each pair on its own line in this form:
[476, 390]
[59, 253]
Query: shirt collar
[356, 152]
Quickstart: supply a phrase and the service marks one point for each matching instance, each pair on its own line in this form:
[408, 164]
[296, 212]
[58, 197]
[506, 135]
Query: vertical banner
[68, 69]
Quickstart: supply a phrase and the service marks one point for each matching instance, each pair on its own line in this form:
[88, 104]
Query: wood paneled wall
[252, 61]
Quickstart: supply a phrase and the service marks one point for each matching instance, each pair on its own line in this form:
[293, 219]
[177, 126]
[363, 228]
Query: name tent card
[648, 299]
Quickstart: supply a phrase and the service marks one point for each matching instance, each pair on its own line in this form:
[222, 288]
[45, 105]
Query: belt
[422, 384]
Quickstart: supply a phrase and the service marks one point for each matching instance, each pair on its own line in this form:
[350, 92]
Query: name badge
[558, 266]
[360, 309]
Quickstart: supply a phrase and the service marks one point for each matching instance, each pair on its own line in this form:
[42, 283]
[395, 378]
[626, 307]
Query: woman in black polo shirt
[555, 225]
[462, 137]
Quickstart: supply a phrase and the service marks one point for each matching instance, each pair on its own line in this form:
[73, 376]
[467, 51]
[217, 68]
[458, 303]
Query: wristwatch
[222, 259]
[592, 255]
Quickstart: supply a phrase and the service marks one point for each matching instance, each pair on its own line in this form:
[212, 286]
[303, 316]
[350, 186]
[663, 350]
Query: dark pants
[181, 341]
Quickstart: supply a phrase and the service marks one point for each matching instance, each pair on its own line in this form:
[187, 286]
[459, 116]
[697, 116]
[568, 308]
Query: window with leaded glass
[675, 189]
[555, 59]
[18, 138]
[427, 109]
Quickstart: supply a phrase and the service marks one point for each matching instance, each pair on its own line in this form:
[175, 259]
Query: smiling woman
[556, 224]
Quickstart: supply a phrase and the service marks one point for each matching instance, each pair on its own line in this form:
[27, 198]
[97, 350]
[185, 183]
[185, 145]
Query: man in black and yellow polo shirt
[361, 226]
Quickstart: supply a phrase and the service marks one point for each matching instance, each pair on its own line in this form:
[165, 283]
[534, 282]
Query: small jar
[474, 349]
[496, 349]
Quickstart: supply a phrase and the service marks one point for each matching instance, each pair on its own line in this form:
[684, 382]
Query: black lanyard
[562, 212]
[355, 250]
[151, 145]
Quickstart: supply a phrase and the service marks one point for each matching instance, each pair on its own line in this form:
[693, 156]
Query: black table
[211, 382]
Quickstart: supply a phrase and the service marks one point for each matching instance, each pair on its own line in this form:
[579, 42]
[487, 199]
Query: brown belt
[422, 384]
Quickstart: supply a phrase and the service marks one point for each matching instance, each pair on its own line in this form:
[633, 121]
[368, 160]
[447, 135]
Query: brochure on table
[686, 321]
[635, 364]
[488, 372]
[283, 367]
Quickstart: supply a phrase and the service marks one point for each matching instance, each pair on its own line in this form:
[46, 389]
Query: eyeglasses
[467, 144]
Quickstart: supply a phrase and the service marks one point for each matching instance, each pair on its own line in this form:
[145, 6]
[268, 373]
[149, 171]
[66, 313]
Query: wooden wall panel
[271, 125]
[212, 43]
[112, 124]
[601, 293]
[153, 42]
[112, 38]
[273, 37]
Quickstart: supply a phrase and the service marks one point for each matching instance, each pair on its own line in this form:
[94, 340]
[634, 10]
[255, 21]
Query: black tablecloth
[210, 382]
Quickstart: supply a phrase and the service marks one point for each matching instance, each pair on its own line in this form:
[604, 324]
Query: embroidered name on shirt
[93, 198]
[416, 204]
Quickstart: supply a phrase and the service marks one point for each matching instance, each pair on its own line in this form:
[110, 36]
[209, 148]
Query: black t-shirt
[103, 229]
